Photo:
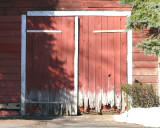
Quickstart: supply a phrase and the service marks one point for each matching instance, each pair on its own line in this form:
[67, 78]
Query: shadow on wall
[10, 44]
[50, 70]
[50, 56]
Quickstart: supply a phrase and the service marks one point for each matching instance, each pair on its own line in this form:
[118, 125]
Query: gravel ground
[84, 121]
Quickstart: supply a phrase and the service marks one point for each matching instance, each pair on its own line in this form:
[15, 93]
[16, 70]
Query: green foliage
[145, 14]
[150, 45]
[142, 95]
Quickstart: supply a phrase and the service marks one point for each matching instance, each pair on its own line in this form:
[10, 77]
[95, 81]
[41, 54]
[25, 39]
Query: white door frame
[75, 14]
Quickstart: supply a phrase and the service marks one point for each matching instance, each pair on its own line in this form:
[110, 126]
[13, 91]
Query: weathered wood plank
[123, 53]
[8, 84]
[146, 78]
[10, 33]
[9, 69]
[10, 40]
[85, 70]
[145, 71]
[98, 70]
[104, 60]
[10, 48]
[10, 62]
[6, 77]
[145, 64]
[70, 61]
[10, 55]
[10, 19]
[92, 62]
[136, 40]
[141, 35]
[10, 26]
[111, 70]
[10, 91]
[143, 57]
[10, 99]
[80, 64]
[117, 63]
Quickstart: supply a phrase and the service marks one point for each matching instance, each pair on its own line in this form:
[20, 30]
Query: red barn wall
[144, 67]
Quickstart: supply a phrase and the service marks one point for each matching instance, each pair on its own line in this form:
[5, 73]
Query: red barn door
[102, 61]
[50, 63]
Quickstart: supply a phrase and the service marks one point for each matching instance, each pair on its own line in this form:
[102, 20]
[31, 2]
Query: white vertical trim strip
[78, 13]
[23, 64]
[76, 67]
[129, 56]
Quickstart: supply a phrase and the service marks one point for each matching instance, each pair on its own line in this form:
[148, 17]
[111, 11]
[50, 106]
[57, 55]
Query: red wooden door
[102, 62]
[50, 62]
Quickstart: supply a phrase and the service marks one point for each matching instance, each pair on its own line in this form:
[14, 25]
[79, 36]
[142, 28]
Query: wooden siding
[50, 62]
[101, 55]
[17, 7]
[10, 22]
[145, 68]
[10, 64]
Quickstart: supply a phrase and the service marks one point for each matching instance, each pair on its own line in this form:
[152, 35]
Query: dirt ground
[83, 121]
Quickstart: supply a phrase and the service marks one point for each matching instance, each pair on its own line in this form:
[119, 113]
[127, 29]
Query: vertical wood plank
[97, 26]
[85, 61]
[104, 60]
[123, 52]
[80, 64]
[71, 84]
[53, 83]
[92, 54]
[23, 65]
[58, 58]
[110, 93]
[64, 61]
[29, 65]
[117, 44]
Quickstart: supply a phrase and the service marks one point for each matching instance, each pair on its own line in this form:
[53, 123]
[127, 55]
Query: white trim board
[78, 13]
[129, 57]
[44, 31]
[70, 13]
[76, 68]
[23, 65]
[108, 31]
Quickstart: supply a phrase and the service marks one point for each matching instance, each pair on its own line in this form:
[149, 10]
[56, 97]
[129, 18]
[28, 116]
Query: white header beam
[78, 13]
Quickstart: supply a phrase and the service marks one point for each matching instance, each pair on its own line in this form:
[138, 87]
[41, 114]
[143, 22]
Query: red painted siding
[145, 68]
[101, 55]
[92, 65]
[10, 65]
[50, 61]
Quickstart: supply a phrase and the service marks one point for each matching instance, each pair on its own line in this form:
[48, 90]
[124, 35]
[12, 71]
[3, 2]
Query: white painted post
[76, 67]
[129, 56]
[23, 64]
[130, 62]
